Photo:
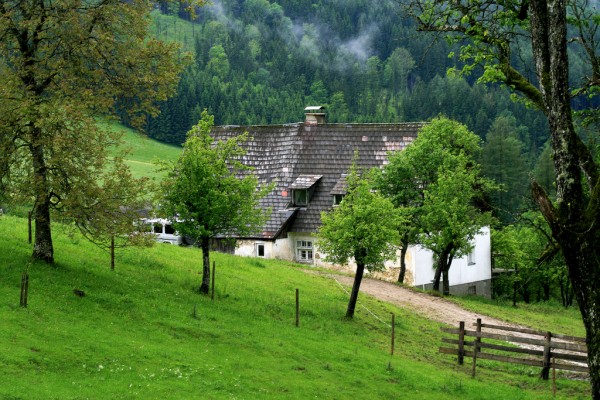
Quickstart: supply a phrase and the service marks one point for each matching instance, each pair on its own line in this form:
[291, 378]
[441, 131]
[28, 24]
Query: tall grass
[143, 331]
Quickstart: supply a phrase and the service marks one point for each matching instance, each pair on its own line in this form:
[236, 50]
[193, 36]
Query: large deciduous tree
[363, 227]
[437, 181]
[209, 193]
[495, 32]
[61, 64]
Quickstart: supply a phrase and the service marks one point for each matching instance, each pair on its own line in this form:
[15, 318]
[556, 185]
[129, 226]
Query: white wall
[419, 261]
[460, 271]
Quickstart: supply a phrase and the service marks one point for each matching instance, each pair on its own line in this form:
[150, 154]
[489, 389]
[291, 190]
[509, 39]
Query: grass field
[142, 331]
[143, 151]
[566, 321]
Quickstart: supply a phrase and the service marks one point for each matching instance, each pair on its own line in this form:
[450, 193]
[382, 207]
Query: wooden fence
[540, 349]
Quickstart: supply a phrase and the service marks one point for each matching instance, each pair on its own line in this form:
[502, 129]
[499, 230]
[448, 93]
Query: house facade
[307, 162]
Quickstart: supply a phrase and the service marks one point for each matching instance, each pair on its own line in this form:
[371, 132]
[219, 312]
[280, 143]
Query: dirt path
[434, 308]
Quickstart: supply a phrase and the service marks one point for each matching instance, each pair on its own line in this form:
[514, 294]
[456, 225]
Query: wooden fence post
[547, 353]
[297, 307]
[393, 332]
[461, 342]
[553, 377]
[24, 289]
[476, 347]
[212, 286]
[112, 253]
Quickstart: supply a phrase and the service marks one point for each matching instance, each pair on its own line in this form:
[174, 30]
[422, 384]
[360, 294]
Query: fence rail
[545, 352]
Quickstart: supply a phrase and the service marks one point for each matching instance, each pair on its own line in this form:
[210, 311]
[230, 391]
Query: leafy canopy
[208, 189]
[364, 226]
[437, 181]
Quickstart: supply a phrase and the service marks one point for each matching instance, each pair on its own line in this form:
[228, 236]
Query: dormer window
[337, 199]
[303, 189]
[339, 190]
[300, 197]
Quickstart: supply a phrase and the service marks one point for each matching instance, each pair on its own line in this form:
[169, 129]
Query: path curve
[431, 307]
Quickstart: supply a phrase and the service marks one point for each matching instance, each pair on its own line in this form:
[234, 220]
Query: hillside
[143, 332]
[261, 62]
[143, 151]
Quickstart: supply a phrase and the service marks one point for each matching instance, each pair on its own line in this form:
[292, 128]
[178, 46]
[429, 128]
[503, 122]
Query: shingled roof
[297, 156]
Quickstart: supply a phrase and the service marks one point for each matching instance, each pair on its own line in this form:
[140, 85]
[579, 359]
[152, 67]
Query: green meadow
[143, 151]
[142, 331]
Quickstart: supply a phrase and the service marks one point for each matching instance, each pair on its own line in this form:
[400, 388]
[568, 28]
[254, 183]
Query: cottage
[308, 162]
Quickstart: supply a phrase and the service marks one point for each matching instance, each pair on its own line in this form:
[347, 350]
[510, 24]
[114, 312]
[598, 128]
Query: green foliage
[338, 60]
[61, 64]
[535, 268]
[437, 182]
[364, 226]
[204, 190]
[503, 160]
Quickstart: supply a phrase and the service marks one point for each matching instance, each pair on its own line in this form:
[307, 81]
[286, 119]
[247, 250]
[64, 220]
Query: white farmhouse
[308, 162]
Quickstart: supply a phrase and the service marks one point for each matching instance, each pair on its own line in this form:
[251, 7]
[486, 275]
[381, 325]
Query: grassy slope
[541, 316]
[143, 151]
[134, 334]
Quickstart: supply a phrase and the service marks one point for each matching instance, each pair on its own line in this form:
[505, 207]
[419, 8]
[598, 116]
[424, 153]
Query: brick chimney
[314, 115]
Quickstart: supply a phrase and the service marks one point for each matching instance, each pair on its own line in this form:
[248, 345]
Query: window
[471, 258]
[158, 228]
[169, 230]
[337, 199]
[300, 197]
[304, 250]
[260, 250]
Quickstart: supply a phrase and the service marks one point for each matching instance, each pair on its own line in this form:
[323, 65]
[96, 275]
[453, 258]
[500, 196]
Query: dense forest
[257, 62]
[261, 62]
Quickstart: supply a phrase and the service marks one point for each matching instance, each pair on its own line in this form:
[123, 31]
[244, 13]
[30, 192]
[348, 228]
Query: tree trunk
[582, 255]
[205, 245]
[43, 249]
[403, 252]
[442, 266]
[446, 282]
[437, 276]
[574, 220]
[360, 269]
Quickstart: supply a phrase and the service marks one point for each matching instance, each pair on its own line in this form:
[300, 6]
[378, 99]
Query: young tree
[111, 218]
[61, 64]
[209, 192]
[450, 218]
[364, 227]
[494, 32]
[398, 182]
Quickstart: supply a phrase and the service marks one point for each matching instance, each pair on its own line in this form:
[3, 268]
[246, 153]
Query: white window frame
[471, 258]
[258, 246]
[304, 250]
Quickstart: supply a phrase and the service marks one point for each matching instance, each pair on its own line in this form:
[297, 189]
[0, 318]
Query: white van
[163, 230]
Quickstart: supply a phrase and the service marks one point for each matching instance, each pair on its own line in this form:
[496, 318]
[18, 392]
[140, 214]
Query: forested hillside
[261, 62]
